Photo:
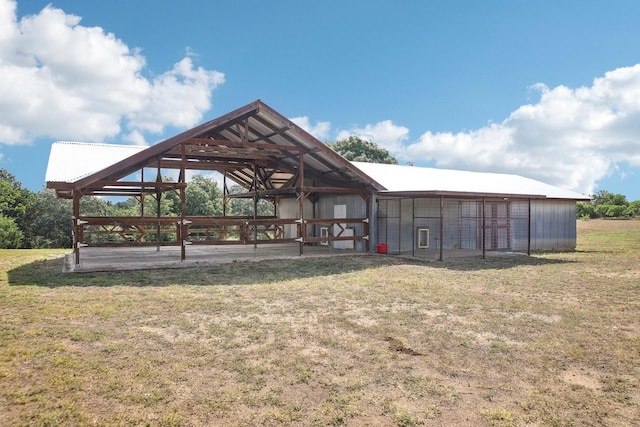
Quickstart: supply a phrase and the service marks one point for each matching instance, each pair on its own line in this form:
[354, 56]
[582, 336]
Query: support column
[225, 191]
[77, 227]
[529, 228]
[183, 197]
[367, 225]
[441, 228]
[158, 206]
[484, 227]
[302, 228]
[255, 205]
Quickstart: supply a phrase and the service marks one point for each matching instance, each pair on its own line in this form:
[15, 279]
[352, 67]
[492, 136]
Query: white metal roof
[396, 178]
[71, 161]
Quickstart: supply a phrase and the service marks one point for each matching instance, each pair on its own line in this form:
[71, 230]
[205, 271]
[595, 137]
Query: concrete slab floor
[148, 257]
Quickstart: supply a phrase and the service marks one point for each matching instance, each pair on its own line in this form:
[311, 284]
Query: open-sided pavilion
[254, 146]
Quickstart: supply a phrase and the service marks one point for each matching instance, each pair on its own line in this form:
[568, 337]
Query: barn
[320, 201]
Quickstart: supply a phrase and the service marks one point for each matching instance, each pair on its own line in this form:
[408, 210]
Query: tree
[633, 209]
[10, 234]
[604, 197]
[16, 203]
[244, 206]
[203, 197]
[52, 226]
[605, 204]
[359, 150]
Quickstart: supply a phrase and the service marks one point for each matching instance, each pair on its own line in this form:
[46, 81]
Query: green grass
[549, 340]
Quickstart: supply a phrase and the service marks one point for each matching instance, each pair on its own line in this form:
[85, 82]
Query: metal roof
[252, 141]
[71, 161]
[398, 179]
[264, 151]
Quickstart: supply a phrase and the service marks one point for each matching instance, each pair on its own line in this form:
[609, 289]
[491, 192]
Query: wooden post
[77, 227]
[302, 230]
[367, 227]
[255, 205]
[441, 228]
[158, 204]
[183, 197]
[224, 193]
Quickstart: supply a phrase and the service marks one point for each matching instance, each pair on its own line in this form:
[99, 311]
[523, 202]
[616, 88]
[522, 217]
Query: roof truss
[254, 146]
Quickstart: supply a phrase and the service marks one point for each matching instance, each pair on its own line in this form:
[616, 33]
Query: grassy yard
[547, 340]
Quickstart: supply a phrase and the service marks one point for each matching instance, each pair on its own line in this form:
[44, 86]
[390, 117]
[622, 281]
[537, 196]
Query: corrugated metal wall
[553, 222]
[290, 208]
[324, 208]
[553, 225]
[506, 224]
[356, 208]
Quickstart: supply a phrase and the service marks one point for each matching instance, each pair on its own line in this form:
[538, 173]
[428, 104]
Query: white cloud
[570, 137]
[320, 130]
[66, 81]
[385, 134]
[135, 137]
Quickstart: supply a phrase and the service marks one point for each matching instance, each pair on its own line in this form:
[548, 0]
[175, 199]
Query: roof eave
[461, 194]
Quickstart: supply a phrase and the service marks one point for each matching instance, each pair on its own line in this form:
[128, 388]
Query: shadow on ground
[48, 273]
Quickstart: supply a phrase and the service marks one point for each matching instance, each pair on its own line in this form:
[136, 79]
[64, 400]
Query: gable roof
[262, 150]
[71, 161]
[252, 141]
[415, 180]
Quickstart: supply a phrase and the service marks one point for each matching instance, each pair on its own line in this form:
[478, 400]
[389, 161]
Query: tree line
[604, 204]
[41, 220]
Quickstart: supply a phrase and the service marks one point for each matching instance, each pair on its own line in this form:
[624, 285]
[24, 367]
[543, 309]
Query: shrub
[10, 234]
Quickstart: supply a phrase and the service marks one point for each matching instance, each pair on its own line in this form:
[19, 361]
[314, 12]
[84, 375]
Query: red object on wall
[382, 248]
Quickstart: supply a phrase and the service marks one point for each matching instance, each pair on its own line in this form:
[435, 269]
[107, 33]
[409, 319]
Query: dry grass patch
[548, 340]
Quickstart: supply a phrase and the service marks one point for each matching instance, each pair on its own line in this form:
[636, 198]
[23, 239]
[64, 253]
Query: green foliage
[607, 205]
[603, 197]
[10, 234]
[16, 202]
[585, 210]
[52, 226]
[633, 209]
[610, 211]
[244, 206]
[203, 197]
[359, 150]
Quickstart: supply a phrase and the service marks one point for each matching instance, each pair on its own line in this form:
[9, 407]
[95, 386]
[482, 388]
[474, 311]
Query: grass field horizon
[547, 340]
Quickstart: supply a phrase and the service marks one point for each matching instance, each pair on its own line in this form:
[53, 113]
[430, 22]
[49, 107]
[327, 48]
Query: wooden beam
[234, 144]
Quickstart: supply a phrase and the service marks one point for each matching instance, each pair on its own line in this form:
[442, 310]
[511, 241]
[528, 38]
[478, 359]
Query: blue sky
[548, 90]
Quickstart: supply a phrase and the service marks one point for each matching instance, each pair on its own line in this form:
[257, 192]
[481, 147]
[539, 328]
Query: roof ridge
[102, 144]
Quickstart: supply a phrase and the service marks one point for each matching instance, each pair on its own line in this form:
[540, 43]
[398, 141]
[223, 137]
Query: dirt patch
[581, 378]
[397, 345]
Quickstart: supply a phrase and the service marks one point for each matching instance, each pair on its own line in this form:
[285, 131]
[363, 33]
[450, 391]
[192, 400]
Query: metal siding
[427, 215]
[427, 207]
[356, 208]
[469, 225]
[553, 225]
[406, 225]
[519, 225]
[389, 224]
[452, 238]
[290, 208]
